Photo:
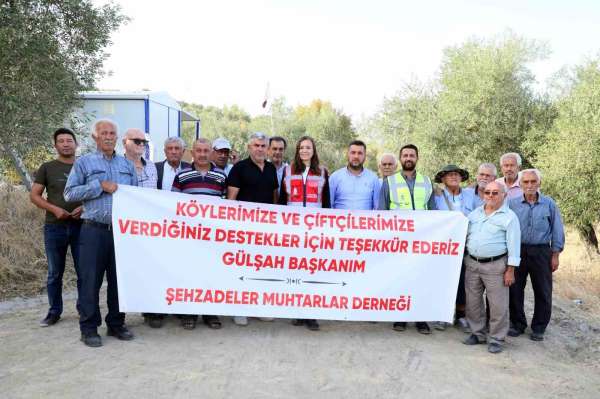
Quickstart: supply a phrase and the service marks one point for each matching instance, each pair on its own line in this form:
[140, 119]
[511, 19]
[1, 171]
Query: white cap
[221, 144]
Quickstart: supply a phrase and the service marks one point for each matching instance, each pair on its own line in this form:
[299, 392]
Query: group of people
[514, 230]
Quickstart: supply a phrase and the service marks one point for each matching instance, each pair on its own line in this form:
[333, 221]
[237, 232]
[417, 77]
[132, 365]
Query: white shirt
[169, 174]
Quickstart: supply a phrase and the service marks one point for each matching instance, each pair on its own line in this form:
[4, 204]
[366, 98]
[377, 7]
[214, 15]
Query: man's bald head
[134, 142]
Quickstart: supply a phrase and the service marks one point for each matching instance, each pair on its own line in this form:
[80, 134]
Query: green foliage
[331, 129]
[480, 106]
[50, 50]
[570, 158]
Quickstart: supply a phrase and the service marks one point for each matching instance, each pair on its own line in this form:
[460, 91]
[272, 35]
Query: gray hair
[514, 155]
[389, 154]
[202, 140]
[177, 140]
[99, 122]
[258, 136]
[488, 165]
[536, 172]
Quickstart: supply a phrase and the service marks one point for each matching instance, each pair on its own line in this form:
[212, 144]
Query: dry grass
[23, 266]
[578, 276]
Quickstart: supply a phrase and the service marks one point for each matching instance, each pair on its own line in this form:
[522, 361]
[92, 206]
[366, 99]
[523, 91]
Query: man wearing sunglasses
[135, 143]
[493, 245]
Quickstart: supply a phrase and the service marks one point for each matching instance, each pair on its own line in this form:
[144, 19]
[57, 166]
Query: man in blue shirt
[93, 180]
[353, 186]
[486, 173]
[493, 245]
[542, 240]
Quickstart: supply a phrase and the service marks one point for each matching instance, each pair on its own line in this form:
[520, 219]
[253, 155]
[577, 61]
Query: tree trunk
[19, 165]
[589, 238]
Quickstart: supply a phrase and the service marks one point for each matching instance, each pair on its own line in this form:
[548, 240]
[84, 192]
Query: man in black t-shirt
[61, 229]
[253, 179]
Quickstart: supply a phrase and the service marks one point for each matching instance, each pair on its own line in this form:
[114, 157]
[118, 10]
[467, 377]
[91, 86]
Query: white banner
[195, 254]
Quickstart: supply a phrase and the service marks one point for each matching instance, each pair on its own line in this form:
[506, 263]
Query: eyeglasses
[491, 193]
[139, 141]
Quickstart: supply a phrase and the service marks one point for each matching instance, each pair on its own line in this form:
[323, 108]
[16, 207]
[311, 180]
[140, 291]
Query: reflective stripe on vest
[301, 194]
[400, 197]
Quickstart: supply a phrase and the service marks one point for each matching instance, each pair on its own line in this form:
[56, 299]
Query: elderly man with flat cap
[451, 197]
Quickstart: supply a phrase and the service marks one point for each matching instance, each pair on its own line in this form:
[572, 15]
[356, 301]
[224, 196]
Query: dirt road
[276, 360]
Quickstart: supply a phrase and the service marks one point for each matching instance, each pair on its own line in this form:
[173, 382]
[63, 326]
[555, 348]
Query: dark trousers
[461, 296]
[97, 256]
[57, 239]
[535, 262]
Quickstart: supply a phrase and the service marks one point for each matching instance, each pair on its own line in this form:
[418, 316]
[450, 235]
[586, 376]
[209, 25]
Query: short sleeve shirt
[255, 185]
[53, 176]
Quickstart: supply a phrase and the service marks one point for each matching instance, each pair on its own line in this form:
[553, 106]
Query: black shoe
[399, 326]
[50, 320]
[297, 322]
[423, 327]
[536, 336]
[513, 332]
[473, 340]
[494, 347]
[188, 322]
[212, 321]
[121, 333]
[153, 320]
[311, 324]
[92, 340]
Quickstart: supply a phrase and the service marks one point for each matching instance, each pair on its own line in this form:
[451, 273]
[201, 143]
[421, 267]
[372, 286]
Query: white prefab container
[156, 113]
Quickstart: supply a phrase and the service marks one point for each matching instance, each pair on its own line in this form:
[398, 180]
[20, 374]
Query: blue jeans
[57, 239]
[97, 257]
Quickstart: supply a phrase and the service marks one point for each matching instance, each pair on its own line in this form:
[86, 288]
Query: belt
[546, 244]
[487, 260]
[99, 225]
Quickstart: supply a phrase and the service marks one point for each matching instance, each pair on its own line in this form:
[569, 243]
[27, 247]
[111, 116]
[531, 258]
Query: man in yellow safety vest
[407, 190]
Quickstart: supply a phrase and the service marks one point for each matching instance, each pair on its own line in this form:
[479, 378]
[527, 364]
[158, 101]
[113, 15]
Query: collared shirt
[84, 183]
[350, 191]
[169, 174]
[514, 190]
[463, 202]
[494, 234]
[192, 181]
[255, 185]
[384, 193]
[280, 171]
[540, 222]
[148, 177]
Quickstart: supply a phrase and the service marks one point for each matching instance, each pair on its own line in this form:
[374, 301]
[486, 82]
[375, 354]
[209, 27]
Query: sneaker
[463, 325]
[439, 325]
[50, 320]
[423, 328]
[240, 320]
[399, 326]
[266, 318]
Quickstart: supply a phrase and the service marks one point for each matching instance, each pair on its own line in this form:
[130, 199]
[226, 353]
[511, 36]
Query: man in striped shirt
[202, 178]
